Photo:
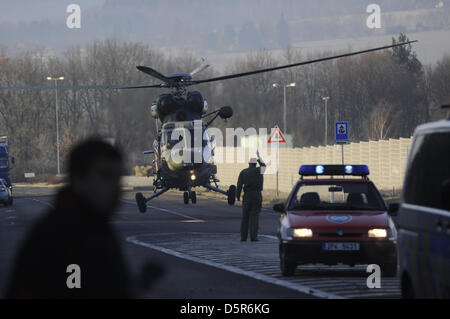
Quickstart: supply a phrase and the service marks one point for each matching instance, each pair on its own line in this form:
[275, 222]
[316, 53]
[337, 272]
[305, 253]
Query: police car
[424, 215]
[335, 214]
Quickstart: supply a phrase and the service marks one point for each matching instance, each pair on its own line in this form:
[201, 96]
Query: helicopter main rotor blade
[201, 68]
[232, 76]
[168, 82]
[145, 86]
[154, 73]
[81, 87]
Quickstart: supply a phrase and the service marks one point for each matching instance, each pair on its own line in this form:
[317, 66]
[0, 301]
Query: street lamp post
[326, 98]
[56, 79]
[276, 85]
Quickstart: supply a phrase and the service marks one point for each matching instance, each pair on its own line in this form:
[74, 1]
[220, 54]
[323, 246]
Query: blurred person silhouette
[73, 252]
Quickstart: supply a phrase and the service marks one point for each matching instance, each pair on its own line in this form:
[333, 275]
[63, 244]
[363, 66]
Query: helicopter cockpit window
[172, 137]
[206, 139]
[188, 135]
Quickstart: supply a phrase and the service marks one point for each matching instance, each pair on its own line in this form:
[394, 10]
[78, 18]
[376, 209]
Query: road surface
[199, 247]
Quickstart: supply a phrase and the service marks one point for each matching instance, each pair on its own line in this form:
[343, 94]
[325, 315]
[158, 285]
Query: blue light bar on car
[317, 170]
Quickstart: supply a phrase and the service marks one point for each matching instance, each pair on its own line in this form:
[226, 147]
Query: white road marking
[40, 202]
[167, 211]
[236, 270]
[270, 236]
[190, 218]
[338, 281]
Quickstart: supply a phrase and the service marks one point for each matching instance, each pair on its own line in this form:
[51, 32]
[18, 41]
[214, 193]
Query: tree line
[383, 95]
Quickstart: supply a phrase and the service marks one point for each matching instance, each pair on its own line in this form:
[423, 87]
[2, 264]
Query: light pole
[276, 85]
[56, 79]
[326, 98]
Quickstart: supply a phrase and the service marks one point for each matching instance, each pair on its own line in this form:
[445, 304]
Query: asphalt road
[199, 248]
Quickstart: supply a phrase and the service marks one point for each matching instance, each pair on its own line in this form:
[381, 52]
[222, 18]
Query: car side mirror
[393, 209]
[279, 208]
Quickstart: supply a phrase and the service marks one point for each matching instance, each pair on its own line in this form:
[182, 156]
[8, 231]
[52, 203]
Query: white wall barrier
[386, 160]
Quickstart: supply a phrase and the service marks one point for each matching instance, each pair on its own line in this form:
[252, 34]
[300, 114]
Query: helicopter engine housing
[170, 107]
[154, 110]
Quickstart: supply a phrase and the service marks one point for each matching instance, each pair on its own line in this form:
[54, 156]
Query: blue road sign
[341, 132]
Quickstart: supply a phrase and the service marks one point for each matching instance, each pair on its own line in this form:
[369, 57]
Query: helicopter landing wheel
[231, 195]
[193, 197]
[186, 197]
[141, 203]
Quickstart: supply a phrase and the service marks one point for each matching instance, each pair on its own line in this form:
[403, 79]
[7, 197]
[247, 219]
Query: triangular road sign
[277, 136]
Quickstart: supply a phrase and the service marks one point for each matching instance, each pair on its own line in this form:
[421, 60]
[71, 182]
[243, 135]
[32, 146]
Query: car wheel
[389, 269]
[193, 197]
[186, 197]
[287, 268]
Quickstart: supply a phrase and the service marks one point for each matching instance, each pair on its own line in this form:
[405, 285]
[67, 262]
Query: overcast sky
[224, 28]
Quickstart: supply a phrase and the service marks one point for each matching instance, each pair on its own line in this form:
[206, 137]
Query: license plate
[340, 246]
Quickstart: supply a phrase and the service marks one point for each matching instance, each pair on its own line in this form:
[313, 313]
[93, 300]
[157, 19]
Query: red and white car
[335, 214]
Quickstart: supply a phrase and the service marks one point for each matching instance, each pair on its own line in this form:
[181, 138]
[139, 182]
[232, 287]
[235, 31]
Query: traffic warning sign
[277, 136]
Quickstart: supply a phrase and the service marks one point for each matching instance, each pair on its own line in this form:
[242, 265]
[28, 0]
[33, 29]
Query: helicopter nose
[187, 156]
[175, 161]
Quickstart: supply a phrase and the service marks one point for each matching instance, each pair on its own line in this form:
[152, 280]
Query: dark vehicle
[4, 162]
[5, 193]
[423, 219]
[336, 220]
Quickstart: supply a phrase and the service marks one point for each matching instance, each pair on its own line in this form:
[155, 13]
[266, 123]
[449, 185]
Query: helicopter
[181, 116]
[181, 113]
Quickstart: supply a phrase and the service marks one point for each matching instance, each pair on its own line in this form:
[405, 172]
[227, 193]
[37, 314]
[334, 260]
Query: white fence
[386, 160]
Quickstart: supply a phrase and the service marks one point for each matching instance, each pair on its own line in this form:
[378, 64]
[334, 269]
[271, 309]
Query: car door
[424, 218]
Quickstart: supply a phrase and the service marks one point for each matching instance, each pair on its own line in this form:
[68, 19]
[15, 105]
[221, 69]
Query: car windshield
[336, 196]
[3, 162]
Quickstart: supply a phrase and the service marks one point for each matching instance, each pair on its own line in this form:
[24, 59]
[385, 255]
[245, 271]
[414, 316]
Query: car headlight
[302, 232]
[377, 233]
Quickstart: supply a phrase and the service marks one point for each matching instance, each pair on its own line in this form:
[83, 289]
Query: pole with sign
[277, 138]
[341, 134]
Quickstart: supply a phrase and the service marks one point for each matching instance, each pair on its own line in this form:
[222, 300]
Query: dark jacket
[71, 233]
[251, 179]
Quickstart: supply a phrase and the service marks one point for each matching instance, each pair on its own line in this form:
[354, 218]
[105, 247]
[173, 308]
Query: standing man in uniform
[251, 179]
